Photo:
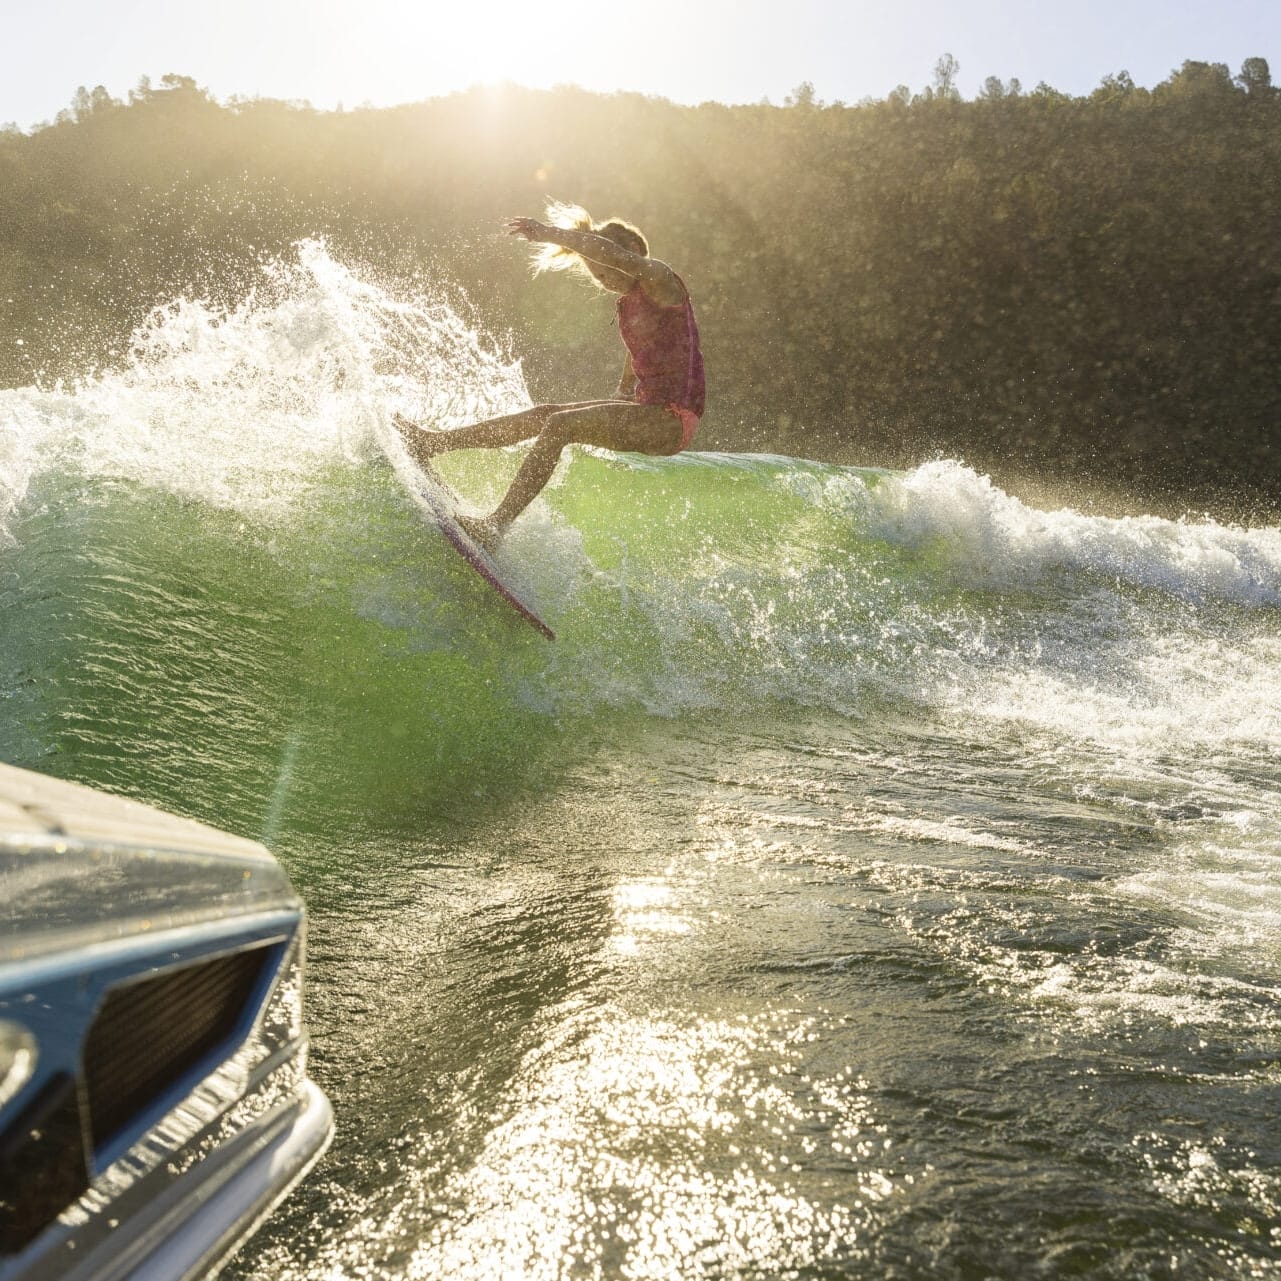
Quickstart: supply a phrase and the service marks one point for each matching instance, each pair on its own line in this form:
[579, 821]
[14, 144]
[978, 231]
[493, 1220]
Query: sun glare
[483, 44]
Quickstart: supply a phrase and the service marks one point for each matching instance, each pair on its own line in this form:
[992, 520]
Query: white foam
[1145, 701]
[991, 539]
[27, 420]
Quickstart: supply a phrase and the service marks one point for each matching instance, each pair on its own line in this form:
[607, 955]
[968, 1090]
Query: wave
[997, 539]
[225, 491]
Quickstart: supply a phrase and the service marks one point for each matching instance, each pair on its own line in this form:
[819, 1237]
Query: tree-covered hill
[1041, 284]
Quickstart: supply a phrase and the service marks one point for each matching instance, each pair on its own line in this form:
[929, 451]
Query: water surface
[879, 876]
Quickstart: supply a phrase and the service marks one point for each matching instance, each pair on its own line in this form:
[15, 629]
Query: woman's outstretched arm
[658, 278]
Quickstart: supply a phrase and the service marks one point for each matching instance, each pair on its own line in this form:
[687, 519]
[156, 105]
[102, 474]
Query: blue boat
[154, 1098]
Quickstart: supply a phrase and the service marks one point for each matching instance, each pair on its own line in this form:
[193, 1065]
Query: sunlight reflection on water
[641, 911]
[650, 1147]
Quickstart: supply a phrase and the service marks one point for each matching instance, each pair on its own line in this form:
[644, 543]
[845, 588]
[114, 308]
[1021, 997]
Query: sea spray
[245, 408]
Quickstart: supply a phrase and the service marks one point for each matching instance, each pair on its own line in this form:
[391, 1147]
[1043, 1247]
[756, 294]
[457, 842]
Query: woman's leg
[610, 424]
[493, 433]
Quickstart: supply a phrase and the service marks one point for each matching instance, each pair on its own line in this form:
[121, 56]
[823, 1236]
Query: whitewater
[878, 877]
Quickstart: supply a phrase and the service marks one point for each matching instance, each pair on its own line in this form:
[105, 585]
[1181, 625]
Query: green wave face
[216, 595]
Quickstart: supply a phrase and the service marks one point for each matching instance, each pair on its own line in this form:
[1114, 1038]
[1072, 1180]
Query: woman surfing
[660, 394]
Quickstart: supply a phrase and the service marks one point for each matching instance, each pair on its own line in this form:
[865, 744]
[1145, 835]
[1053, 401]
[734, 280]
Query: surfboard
[440, 503]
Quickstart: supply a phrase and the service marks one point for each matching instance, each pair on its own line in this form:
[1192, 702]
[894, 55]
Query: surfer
[660, 393]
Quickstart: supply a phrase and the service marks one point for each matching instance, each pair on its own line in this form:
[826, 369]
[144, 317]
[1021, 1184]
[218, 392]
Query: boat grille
[153, 1037]
[151, 1032]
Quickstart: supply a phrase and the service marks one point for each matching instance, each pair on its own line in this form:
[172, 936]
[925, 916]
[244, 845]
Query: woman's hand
[530, 228]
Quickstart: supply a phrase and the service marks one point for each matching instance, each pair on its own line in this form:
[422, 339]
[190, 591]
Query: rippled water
[879, 877]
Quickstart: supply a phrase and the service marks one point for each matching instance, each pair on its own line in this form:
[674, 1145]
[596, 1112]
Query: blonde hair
[576, 218]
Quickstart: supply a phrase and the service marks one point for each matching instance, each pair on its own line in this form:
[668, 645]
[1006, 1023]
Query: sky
[382, 52]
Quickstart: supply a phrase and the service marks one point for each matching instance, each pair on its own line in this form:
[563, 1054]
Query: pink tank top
[663, 342]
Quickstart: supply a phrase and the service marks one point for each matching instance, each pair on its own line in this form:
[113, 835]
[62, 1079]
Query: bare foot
[481, 531]
[421, 442]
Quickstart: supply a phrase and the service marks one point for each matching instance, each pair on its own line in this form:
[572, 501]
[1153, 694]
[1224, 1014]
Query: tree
[1200, 79]
[1256, 78]
[993, 90]
[802, 96]
[1114, 88]
[85, 103]
[946, 69]
[181, 85]
[1048, 93]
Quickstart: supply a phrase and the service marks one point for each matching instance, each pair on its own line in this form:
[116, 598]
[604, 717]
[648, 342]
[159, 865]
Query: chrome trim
[18, 1055]
[139, 954]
